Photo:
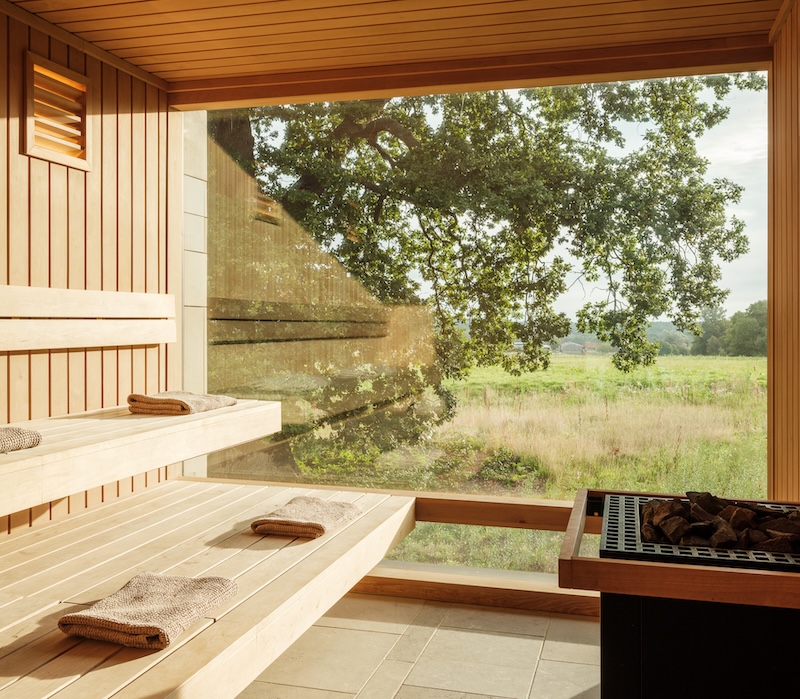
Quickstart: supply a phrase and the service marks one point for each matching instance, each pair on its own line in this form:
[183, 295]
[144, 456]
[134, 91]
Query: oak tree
[487, 205]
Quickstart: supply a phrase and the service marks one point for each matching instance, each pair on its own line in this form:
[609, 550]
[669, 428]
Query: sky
[736, 149]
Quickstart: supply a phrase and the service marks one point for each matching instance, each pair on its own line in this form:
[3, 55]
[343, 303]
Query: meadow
[687, 423]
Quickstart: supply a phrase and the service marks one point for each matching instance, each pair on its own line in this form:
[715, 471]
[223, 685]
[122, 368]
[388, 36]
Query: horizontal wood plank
[44, 302]
[494, 588]
[40, 318]
[222, 332]
[48, 334]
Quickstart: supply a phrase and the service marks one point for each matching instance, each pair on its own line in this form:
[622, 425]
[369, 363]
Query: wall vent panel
[56, 119]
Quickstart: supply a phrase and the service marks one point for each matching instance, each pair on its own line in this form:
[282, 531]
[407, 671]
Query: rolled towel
[176, 403]
[307, 517]
[13, 438]
[150, 610]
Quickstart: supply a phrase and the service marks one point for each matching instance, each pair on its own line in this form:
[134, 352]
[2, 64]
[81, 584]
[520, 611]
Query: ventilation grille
[267, 209]
[56, 118]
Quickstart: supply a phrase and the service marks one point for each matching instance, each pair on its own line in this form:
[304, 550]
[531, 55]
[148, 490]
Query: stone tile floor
[391, 648]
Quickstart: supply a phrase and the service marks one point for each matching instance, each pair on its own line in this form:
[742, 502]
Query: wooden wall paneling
[109, 196]
[19, 521]
[138, 221]
[39, 514]
[124, 185]
[786, 275]
[151, 220]
[41, 197]
[93, 396]
[784, 262]
[162, 223]
[18, 220]
[124, 220]
[138, 187]
[59, 257]
[4, 127]
[792, 228]
[76, 182]
[93, 497]
[4, 192]
[774, 302]
[59, 508]
[77, 236]
[174, 243]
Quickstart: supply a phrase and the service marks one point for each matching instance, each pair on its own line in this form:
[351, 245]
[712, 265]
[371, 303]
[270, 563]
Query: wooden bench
[176, 527]
[82, 451]
[181, 528]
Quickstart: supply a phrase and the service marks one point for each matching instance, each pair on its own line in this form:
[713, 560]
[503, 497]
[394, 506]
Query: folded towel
[176, 403]
[150, 610]
[13, 438]
[306, 516]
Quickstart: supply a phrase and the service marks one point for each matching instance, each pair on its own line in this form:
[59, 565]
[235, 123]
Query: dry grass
[560, 432]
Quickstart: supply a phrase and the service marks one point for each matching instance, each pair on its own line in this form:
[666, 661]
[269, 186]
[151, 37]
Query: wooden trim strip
[10, 9]
[495, 588]
[780, 20]
[547, 68]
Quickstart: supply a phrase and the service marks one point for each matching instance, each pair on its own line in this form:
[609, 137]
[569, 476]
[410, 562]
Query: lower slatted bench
[181, 528]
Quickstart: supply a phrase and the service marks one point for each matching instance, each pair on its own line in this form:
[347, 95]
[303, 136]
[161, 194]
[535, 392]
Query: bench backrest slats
[38, 318]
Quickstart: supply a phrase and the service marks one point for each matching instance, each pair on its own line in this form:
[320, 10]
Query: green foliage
[744, 335]
[508, 469]
[464, 202]
[713, 329]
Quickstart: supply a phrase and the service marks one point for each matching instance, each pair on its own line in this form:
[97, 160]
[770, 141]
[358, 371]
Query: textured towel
[150, 610]
[176, 403]
[13, 438]
[306, 516]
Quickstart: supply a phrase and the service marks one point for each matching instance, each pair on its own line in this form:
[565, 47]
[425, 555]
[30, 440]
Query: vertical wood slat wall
[104, 229]
[784, 266]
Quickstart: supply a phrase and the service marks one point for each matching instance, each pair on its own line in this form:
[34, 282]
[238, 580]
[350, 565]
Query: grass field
[688, 423]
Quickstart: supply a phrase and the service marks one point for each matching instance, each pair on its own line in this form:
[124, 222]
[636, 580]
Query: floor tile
[371, 613]
[490, 649]
[267, 690]
[497, 620]
[386, 681]
[416, 638]
[557, 680]
[338, 660]
[408, 692]
[479, 663]
[573, 639]
[471, 677]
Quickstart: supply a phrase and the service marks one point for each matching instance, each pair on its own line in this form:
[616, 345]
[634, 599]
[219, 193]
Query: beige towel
[307, 517]
[150, 610]
[175, 403]
[13, 438]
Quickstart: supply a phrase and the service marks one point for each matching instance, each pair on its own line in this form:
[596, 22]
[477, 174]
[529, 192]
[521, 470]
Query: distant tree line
[744, 334]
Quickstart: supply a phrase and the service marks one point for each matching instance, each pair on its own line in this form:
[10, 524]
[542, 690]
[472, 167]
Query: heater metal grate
[621, 539]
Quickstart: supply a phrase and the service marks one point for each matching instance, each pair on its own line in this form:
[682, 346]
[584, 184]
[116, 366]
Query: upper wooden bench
[82, 451]
[86, 450]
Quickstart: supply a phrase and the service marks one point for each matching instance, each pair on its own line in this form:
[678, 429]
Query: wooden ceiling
[268, 50]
